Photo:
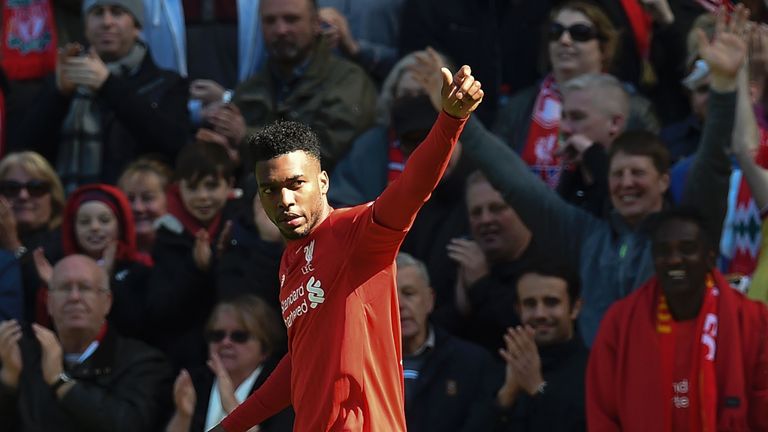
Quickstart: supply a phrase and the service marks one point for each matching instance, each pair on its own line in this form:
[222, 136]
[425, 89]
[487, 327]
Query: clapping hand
[522, 358]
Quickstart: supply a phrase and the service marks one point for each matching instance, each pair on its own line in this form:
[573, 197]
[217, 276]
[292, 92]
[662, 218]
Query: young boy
[181, 287]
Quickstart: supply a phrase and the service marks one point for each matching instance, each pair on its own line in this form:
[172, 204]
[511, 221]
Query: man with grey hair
[595, 111]
[84, 376]
[449, 384]
[109, 102]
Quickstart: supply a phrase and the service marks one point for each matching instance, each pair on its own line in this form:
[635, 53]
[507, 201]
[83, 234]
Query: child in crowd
[181, 287]
[98, 222]
[144, 182]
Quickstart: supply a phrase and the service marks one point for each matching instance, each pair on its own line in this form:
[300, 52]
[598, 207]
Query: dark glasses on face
[578, 32]
[35, 188]
[236, 336]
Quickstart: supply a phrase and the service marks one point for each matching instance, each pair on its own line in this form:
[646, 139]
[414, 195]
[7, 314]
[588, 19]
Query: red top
[625, 389]
[339, 302]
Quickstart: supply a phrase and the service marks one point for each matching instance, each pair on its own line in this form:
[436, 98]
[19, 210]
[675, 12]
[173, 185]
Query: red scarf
[702, 391]
[540, 151]
[395, 156]
[189, 222]
[29, 39]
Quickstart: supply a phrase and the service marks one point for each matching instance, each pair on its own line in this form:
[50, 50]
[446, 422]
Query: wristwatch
[541, 387]
[62, 379]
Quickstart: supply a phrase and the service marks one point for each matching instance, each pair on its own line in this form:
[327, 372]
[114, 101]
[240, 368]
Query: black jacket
[202, 380]
[124, 386]
[140, 114]
[455, 388]
[561, 407]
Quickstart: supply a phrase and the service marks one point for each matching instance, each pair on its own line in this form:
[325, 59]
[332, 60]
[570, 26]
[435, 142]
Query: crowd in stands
[590, 260]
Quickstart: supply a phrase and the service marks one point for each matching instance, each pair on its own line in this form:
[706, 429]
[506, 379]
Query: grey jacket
[613, 258]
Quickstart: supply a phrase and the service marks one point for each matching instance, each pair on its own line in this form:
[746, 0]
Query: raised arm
[746, 141]
[559, 225]
[397, 206]
[707, 185]
[272, 397]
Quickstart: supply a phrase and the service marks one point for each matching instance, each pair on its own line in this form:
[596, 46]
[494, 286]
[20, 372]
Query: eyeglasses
[236, 336]
[578, 32]
[84, 290]
[35, 188]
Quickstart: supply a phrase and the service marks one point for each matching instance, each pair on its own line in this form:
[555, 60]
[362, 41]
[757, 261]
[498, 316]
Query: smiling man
[546, 362]
[685, 352]
[108, 103]
[343, 371]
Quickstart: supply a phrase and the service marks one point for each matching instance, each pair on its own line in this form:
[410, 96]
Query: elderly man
[110, 102]
[685, 352]
[449, 383]
[303, 81]
[85, 376]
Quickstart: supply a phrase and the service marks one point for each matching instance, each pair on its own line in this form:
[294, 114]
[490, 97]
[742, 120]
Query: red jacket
[624, 387]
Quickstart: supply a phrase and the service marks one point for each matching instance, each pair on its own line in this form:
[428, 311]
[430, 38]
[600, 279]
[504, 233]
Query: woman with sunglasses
[31, 205]
[244, 336]
[581, 40]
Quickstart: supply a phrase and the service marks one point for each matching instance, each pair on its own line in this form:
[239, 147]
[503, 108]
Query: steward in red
[343, 370]
[685, 352]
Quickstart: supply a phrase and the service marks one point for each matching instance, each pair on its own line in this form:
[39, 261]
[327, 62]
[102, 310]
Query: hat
[135, 7]
[412, 114]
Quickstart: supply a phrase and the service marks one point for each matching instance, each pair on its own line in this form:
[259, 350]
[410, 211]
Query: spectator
[366, 32]
[110, 103]
[144, 182]
[682, 137]
[595, 111]
[86, 376]
[302, 81]
[182, 285]
[488, 265]
[33, 200]
[244, 336]
[613, 255]
[449, 383]
[98, 223]
[546, 360]
[683, 352]
[740, 240]
[582, 40]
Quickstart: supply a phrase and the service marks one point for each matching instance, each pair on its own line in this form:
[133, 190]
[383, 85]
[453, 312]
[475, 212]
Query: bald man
[84, 376]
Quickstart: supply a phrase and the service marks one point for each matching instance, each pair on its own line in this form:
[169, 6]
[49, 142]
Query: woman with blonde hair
[245, 337]
[31, 207]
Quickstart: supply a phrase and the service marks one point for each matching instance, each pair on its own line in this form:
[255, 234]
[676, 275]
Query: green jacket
[333, 96]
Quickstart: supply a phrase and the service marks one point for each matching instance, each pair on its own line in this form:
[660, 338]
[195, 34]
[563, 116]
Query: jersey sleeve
[272, 397]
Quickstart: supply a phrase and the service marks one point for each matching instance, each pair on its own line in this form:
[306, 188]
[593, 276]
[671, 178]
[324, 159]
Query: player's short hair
[283, 137]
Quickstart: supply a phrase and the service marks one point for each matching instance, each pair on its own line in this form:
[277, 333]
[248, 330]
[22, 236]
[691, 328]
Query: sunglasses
[236, 336]
[578, 32]
[35, 188]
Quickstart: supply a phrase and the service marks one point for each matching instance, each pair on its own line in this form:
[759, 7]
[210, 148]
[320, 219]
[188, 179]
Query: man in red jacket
[338, 296]
[685, 352]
